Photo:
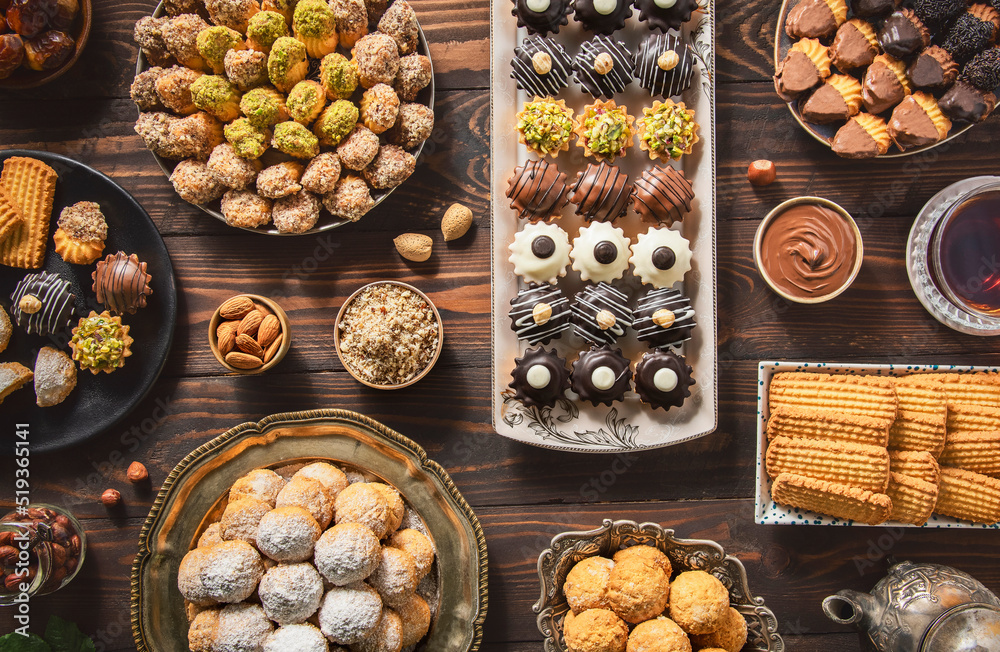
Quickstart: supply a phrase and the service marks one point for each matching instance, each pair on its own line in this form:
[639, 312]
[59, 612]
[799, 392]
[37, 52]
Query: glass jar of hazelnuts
[42, 548]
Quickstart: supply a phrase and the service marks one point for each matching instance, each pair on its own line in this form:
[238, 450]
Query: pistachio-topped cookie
[605, 130]
[545, 125]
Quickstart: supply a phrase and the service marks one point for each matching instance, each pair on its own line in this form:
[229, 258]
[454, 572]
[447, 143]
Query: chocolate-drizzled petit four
[541, 66]
[864, 136]
[539, 313]
[854, 46]
[539, 377]
[541, 16]
[903, 34]
[661, 257]
[938, 13]
[601, 375]
[42, 303]
[965, 103]
[874, 8]
[933, 69]
[983, 71]
[972, 32]
[664, 65]
[663, 317]
[537, 191]
[663, 380]
[662, 15]
[662, 195]
[601, 314]
[805, 67]
[602, 16]
[815, 18]
[600, 253]
[835, 101]
[885, 85]
[121, 283]
[603, 66]
[918, 121]
[601, 193]
[540, 253]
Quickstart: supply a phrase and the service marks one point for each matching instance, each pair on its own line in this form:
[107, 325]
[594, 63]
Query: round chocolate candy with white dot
[539, 377]
[663, 380]
[601, 375]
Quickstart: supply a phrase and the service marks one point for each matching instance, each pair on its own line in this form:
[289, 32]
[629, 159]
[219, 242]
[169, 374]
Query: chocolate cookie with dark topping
[541, 16]
[664, 65]
[602, 16]
[662, 15]
[983, 71]
[663, 317]
[933, 69]
[537, 191]
[539, 313]
[539, 377]
[121, 283]
[42, 303]
[663, 380]
[601, 314]
[663, 195]
[541, 67]
[972, 32]
[875, 8]
[601, 375]
[854, 46]
[815, 18]
[938, 13]
[603, 66]
[965, 103]
[601, 193]
[903, 34]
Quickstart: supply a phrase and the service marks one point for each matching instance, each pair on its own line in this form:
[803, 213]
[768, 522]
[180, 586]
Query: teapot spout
[849, 607]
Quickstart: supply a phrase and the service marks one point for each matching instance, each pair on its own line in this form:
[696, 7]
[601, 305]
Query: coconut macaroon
[264, 107]
[321, 177]
[390, 167]
[287, 63]
[195, 183]
[336, 122]
[349, 614]
[413, 76]
[246, 68]
[287, 534]
[338, 76]
[659, 634]
[358, 149]
[262, 484]
[216, 95]
[698, 602]
[362, 503]
[413, 126]
[400, 22]
[245, 209]
[730, 636]
[264, 29]
[231, 169]
[173, 88]
[376, 58]
[350, 200]
[637, 590]
[295, 140]
[352, 20]
[311, 495]
[280, 180]
[248, 141]
[586, 585]
[213, 44]
[290, 593]
[652, 555]
[296, 213]
[306, 101]
[379, 107]
[596, 630]
[315, 24]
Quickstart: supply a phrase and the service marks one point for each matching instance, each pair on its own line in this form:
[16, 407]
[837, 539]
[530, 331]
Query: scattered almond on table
[456, 222]
[414, 246]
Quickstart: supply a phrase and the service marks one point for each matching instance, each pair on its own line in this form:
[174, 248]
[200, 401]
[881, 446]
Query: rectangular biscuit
[968, 495]
[918, 431]
[830, 498]
[31, 186]
[789, 421]
[973, 451]
[913, 499]
[981, 388]
[916, 464]
[10, 219]
[972, 418]
[855, 465]
[872, 396]
[922, 394]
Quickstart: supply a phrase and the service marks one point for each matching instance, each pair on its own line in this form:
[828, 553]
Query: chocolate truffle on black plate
[541, 66]
[539, 313]
[121, 283]
[938, 13]
[541, 16]
[42, 303]
[539, 377]
[965, 103]
[662, 15]
[664, 65]
[854, 46]
[603, 66]
[537, 190]
[835, 101]
[903, 34]
[983, 71]
[933, 69]
[602, 16]
[805, 67]
[972, 32]
[662, 195]
[663, 318]
[601, 192]
[601, 375]
[601, 313]
[815, 18]
[663, 380]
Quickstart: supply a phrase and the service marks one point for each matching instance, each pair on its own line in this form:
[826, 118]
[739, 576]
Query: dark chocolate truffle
[855, 46]
[601, 313]
[601, 375]
[539, 377]
[983, 71]
[602, 16]
[537, 190]
[121, 283]
[539, 313]
[603, 66]
[601, 193]
[903, 34]
[541, 67]
[663, 380]
[662, 15]
[813, 19]
[663, 317]
[664, 65]
[933, 69]
[42, 303]
[965, 103]
[972, 32]
[541, 16]
[938, 13]
[874, 8]
[663, 195]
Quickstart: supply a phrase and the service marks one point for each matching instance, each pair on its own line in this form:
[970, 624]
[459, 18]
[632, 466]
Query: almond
[414, 246]
[264, 310]
[236, 308]
[273, 349]
[242, 360]
[226, 336]
[250, 323]
[269, 329]
[456, 222]
[249, 345]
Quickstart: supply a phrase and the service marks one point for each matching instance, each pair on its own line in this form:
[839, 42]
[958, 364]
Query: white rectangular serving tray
[767, 512]
[575, 425]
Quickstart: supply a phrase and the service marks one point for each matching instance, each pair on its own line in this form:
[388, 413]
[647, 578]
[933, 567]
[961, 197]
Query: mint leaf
[18, 643]
[64, 636]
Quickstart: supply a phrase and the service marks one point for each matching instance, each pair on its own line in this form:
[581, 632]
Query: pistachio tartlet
[605, 130]
[545, 125]
[667, 130]
[100, 343]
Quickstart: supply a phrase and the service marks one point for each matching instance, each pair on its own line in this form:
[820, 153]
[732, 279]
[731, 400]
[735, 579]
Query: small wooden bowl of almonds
[249, 334]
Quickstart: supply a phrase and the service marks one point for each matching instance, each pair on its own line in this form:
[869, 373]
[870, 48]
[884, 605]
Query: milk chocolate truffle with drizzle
[539, 313]
[602, 16]
[601, 193]
[541, 16]
[537, 191]
[539, 377]
[121, 283]
[601, 314]
[663, 380]
[663, 317]
[815, 18]
[600, 253]
[903, 34]
[42, 303]
[664, 65]
[854, 46]
[661, 257]
[662, 15]
[965, 103]
[541, 66]
[601, 375]
[662, 195]
[603, 66]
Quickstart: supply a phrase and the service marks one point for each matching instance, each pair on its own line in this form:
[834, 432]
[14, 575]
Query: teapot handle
[848, 607]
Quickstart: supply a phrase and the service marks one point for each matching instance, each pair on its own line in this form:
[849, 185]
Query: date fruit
[66, 11]
[29, 18]
[11, 54]
[48, 51]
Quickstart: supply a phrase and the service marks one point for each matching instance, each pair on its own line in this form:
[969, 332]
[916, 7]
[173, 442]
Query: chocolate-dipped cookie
[938, 13]
[983, 71]
[664, 65]
[903, 34]
[601, 314]
[815, 18]
[863, 136]
[965, 103]
[661, 257]
[804, 67]
[42, 303]
[663, 380]
[121, 283]
[541, 67]
[537, 190]
[663, 317]
[918, 121]
[540, 253]
[541, 16]
[835, 101]
[602, 16]
[662, 15]
[539, 377]
[600, 253]
[972, 32]
[885, 84]
[933, 69]
[539, 313]
[601, 192]
[601, 375]
[603, 66]
[874, 8]
[662, 195]
[854, 46]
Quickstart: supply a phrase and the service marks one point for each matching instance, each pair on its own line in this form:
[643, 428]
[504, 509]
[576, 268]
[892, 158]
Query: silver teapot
[921, 608]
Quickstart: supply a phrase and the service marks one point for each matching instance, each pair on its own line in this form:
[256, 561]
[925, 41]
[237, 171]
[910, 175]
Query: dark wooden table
[522, 495]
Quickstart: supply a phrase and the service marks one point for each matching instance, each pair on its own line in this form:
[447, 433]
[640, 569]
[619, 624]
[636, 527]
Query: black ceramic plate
[98, 402]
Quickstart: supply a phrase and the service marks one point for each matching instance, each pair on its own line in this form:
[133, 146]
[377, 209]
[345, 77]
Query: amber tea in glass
[966, 252]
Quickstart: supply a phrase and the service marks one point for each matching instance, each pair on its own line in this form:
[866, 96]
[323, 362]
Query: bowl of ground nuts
[249, 334]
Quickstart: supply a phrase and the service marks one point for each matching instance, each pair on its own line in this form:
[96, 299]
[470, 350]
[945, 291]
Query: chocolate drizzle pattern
[650, 325]
[601, 364]
[534, 83]
[655, 393]
[537, 190]
[554, 15]
[601, 21]
[662, 195]
[535, 366]
[656, 80]
[121, 283]
[57, 302]
[524, 322]
[601, 192]
[595, 303]
[664, 18]
[616, 79]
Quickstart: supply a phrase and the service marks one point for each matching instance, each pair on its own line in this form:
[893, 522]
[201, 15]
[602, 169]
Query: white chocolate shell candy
[600, 252]
[540, 253]
[661, 257]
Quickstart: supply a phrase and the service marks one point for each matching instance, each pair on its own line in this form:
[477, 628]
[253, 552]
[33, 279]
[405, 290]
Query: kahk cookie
[55, 377]
[13, 376]
[30, 186]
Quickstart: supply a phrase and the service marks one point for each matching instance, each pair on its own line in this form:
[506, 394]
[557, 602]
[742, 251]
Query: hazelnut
[111, 497]
[603, 64]
[541, 313]
[136, 473]
[762, 173]
[29, 304]
[664, 318]
[542, 63]
[668, 60]
[606, 319]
